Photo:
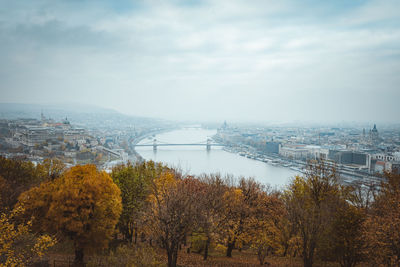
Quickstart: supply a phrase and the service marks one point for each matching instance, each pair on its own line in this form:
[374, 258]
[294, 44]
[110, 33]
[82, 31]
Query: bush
[198, 242]
[220, 249]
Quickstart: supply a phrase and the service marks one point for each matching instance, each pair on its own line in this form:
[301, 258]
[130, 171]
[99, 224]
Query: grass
[245, 258]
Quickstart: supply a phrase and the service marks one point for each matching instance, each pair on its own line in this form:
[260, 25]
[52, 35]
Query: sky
[234, 60]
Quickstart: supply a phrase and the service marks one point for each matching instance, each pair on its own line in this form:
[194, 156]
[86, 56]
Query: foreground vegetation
[151, 215]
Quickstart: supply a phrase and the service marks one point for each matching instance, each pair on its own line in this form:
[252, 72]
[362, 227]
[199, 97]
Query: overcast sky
[247, 60]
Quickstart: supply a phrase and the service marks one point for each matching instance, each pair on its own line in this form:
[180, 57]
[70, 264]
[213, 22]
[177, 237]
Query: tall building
[272, 147]
[374, 135]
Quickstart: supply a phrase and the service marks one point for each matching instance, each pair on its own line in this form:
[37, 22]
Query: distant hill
[78, 114]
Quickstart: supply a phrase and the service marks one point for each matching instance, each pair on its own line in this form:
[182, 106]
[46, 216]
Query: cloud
[258, 60]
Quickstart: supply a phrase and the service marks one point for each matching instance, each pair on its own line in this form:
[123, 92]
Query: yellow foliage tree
[83, 205]
[310, 202]
[264, 225]
[16, 249]
[241, 211]
[174, 211]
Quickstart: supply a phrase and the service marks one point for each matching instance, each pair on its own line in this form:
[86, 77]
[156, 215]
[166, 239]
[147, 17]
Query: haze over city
[206, 60]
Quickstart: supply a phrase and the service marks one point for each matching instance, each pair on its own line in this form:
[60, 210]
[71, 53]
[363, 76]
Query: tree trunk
[175, 258]
[308, 258]
[285, 250]
[206, 248]
[135, 235]
[308, 252]
[78, 261]
[261, 256]
[169, 254]
[172, 253]
[229, 249]
[307, 262]
[127, 233]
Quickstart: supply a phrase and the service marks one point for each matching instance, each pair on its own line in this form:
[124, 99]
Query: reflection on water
[196, 159]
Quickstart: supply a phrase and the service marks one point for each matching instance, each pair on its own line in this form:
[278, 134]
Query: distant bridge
[155, 144]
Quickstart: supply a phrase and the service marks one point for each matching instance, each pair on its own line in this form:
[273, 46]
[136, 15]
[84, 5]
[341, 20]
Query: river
[196, 160]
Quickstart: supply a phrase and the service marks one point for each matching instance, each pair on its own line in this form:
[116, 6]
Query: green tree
[134, 182]
[83, 205]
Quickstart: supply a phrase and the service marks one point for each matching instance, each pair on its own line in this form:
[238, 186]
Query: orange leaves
[84, 205]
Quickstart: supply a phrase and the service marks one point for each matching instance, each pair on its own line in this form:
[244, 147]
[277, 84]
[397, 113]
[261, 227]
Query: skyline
[206, 60]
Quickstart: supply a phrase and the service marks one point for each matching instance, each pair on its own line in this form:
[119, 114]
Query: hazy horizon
[60, 111]
[259, 61]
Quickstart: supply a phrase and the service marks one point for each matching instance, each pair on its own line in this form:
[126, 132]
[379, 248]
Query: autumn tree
[310, 201]
[211, 208]
[383, 223]
[173, 211]
[239, 211]
[362, 194]
[264, 225]
[3, 191]
[288, 237]
[52, 168]
[345, 237]
[134, 182]
[16, 176]
[18, 245]
[83, 204]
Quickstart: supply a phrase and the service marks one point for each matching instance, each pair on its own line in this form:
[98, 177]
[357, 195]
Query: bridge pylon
[208, 145]
[155, 144]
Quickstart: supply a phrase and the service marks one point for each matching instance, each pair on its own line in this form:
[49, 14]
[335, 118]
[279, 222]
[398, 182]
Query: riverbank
[348, 175]
[197, 160]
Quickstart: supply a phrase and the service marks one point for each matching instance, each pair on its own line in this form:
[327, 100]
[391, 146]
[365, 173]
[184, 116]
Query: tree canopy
[83, 204]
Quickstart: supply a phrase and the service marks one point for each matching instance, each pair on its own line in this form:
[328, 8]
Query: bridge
[155, 144]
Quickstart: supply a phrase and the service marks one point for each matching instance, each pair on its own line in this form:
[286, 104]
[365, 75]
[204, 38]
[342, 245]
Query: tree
[52, 168]
[310, 201]
[239, 211]
[211, 205]
[346, 239]
[83, 205]
[17, 177]
[233, 218]
[383, 223]
[173, 211]
[134, 182]
[4, 189]
[18, 246]
[264, 226]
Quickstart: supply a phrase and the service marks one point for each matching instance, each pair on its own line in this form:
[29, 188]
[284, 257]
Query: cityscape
[358, 153]
[199, 133]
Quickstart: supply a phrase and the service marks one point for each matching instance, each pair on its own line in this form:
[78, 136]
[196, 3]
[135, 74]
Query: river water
[196, 160]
